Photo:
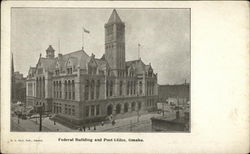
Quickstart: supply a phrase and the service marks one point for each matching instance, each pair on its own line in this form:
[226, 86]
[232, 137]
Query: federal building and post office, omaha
[80, 88]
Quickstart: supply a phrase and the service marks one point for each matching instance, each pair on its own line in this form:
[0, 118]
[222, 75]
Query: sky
[164, 35]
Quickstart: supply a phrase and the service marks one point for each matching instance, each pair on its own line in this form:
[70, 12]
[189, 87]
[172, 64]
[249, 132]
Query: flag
[86, 31]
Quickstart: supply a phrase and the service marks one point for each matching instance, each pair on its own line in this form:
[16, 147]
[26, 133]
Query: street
[129, 124]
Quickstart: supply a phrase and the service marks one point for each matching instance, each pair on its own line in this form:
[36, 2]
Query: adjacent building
[80, 88]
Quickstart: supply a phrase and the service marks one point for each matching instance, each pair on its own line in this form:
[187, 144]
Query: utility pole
[131, 125]
[40, 110]
[162, 109]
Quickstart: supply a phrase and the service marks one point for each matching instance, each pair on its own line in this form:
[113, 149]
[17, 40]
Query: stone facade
[83, 88]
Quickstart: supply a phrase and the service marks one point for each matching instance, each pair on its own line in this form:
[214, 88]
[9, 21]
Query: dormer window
[150, 72]
[57, 71]
[69, 70]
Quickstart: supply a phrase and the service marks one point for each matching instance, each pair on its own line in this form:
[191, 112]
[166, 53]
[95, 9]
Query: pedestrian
[84, 128]
[80, 129]
[102, 123]
[89, 128]
[94, 127]
[113, 122]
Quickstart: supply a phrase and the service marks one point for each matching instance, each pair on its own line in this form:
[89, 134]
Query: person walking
[84, 128]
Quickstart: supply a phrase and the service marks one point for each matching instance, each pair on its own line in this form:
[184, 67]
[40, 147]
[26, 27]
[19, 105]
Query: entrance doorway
[109, 109]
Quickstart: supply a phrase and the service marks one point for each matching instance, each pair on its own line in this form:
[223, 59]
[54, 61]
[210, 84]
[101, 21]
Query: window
[133, 106]
[65, 89]
[60, 89]
[139, 105]
[125, 107]
[73, 89]
[69, 89]
[131, 87]
[134, 87]
[140, 85]
[107, 88]
[92, 88]
[87, 90]
[73, 110]
[87, 111]
[121, 88]
[127, 87]
[111, 88]
[97, 109]
[97, 89]
[65, 109]
[92, 110]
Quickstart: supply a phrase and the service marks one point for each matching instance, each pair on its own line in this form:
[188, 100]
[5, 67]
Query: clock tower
[115, 42]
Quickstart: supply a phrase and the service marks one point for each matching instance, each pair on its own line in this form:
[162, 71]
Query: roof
[79, 58]
[48, 63]
[114, 18]
[139, 66]
[50, 48]
[181, 90]
[101, 63]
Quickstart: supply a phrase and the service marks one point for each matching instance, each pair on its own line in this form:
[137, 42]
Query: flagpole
[138, 50]
[59, 48]
[82, 38]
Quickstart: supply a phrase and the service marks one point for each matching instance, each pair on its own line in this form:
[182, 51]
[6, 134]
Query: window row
[40, 87]
[92, 89]
[68, 109]
[150, 103]
[69, 89]
[92, 110]
[150, 87]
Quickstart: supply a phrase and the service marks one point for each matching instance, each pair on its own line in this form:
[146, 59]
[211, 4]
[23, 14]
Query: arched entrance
[125, 107]
[133, 106]
[110, 109]
[118, 108]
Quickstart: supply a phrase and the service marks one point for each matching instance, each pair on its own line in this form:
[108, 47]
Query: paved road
[26, 126]
[129, 124]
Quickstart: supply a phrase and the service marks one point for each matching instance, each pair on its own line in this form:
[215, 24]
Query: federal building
[80, 88]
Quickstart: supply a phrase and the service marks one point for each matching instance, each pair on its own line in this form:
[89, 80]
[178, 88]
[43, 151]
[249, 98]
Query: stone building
[80, 88]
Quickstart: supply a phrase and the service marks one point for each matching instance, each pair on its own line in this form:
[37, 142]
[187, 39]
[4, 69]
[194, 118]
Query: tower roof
[114, 18]
[50, 48]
